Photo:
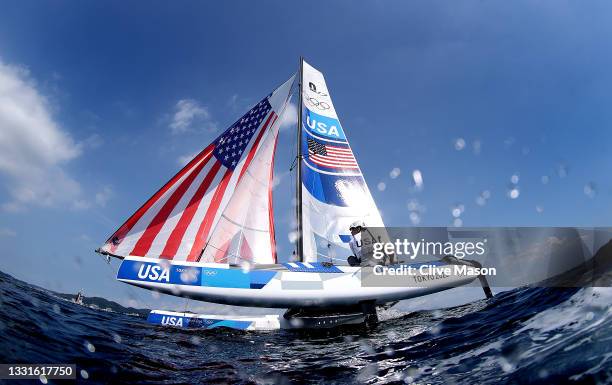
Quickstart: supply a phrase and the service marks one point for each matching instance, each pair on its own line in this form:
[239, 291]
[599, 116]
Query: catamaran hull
[289, 285]
[250, 323]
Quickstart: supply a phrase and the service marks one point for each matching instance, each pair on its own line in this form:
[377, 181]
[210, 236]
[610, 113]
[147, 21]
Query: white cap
[357, 224]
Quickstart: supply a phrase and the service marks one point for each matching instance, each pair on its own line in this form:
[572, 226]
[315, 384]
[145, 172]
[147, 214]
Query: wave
[526, 335]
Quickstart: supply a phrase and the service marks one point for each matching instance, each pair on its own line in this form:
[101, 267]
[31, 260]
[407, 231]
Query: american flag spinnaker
[218, 208]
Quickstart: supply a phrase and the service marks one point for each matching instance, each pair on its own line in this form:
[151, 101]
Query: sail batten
[178, 221]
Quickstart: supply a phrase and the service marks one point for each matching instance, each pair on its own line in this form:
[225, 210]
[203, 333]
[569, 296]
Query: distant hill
[99, 302]
[104, 303]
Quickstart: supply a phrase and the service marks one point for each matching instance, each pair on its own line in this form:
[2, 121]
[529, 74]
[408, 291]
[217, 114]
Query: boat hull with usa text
[281, 285]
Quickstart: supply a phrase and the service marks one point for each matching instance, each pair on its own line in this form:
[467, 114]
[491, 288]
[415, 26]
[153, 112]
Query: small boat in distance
[78, 298]
[208, 234]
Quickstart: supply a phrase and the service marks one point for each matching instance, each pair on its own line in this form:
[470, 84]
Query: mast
[298, 184]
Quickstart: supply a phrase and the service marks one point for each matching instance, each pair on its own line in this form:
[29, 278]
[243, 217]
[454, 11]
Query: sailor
[355, 243]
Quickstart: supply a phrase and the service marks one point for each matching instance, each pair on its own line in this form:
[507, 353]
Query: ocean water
[527, 335]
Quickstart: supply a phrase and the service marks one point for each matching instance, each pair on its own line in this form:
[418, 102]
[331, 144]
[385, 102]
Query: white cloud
[81, 204]
[289, 117]
[103, 196]
[189, 115]
[93, 141]
[239, 104]
[233, 101]
[6, 232]
[184, 159]
[33, 148]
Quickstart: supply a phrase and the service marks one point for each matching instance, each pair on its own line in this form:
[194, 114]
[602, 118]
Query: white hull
[274, 286]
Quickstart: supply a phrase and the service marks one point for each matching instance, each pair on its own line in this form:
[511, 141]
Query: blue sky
[99, 101]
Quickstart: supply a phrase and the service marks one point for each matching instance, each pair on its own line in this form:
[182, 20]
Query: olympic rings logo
[316, 103]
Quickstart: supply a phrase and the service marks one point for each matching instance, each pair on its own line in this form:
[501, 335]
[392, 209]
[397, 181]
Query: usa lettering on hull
[172, 321]
[154, 273]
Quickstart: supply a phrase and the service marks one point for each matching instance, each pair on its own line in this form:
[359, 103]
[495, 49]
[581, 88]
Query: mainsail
[218, 208]
[333, 191]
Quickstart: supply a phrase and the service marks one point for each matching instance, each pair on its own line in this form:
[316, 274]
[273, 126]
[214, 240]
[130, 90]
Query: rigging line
[239, 257]
[107, 259]
[293, 164]
[186, 305]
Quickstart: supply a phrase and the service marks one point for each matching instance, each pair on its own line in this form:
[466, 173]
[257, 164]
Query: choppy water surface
[538, 335]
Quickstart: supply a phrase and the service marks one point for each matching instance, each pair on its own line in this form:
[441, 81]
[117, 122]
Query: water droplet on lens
[395, 173]
[589, 316]
[514, 179]
[195, 340]
[545, 179]
[366, 347]
[57, 309]
[43, 379]
[116, 337]
[413, 205]
[411, 375]
[246, 266]
[415, 218]
[349, 338]
[476, 146]
[505, 365]
[381, 186]
[539, 209]
[459, 144]
[212, 348]
[164, 264]
[562, 170]
[89, 346]
[457, 222]
[175, 290]
[367, 373]
[590, 190]
[292, 236]
[84, 374]
[457, 210]
[514, 193]
[296, 322]
[189, 275]
[417, 177]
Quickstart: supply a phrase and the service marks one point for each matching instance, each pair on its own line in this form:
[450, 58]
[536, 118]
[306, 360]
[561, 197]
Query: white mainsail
[333, 191]
[193, 210]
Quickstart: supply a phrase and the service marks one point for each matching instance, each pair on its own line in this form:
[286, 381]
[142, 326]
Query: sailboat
[208, 234]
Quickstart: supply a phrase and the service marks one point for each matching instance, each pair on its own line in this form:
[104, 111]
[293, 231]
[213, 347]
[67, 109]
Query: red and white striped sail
[245, 231]
[221, 200]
